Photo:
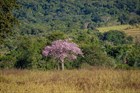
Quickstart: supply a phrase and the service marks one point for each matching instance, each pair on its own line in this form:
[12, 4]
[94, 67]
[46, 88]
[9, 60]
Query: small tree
[62, 49]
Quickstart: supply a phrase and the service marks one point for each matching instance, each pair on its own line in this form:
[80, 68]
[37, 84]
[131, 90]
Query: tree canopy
[7, 19]
[70, 14]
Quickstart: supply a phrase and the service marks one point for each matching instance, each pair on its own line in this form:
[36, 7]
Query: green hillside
[27, 26]
[76, 14]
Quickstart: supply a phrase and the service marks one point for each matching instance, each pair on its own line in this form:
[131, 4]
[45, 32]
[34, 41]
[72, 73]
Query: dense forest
[73, 14]
[40, 22]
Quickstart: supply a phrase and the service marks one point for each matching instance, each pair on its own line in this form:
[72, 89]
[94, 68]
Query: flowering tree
[62, 49]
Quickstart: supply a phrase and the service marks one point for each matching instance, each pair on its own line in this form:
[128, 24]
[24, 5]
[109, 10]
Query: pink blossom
[61, 49]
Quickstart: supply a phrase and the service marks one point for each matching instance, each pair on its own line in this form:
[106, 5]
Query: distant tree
[61, 50]
[56, 35]
[117, 37]
[124, 19]
[95, 56]
[7, 20]
[27, 52]
[134, 56]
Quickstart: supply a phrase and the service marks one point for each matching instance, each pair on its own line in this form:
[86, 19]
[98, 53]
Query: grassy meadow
[117, 27]
[70, 81]
[128, 29]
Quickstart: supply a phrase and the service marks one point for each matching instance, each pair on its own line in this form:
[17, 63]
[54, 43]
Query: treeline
[70, 14]
[112, 49]
[43, 21]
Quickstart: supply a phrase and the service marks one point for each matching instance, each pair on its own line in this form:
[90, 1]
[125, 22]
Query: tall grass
[72, 81]
[118, 27]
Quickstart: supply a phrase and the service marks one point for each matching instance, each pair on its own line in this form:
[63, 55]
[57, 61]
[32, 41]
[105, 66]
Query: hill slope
[71, 14]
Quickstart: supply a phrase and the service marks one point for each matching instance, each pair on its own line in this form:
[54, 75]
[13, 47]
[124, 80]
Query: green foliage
[125, 54]
[117, 37]
[96, 57]
[134, 57]
[44, 21]
[122, 66]
[92, 48]
[76, 14]
[7, 61]
[7, 20]
[119, 52]
[27, 51]
[56, 35]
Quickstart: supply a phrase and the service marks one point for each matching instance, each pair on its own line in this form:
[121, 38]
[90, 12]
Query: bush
[122, 66]
[96, 57]
[117, 37]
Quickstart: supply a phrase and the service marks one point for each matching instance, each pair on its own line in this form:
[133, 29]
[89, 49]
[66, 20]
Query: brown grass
[133, 31]
[70, 81]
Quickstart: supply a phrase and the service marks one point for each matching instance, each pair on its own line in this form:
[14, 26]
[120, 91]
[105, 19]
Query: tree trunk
[124, 60]
[58, 66]
[62, 65]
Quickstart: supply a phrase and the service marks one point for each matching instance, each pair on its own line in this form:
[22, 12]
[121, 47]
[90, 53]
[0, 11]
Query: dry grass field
[70, 81]
[119, 27]
[128, 29]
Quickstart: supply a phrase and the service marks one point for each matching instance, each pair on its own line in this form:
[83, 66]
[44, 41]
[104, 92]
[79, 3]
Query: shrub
[117, 37]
